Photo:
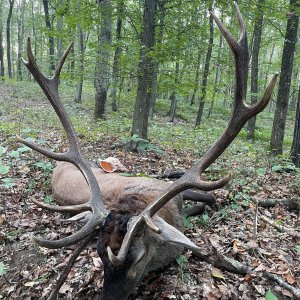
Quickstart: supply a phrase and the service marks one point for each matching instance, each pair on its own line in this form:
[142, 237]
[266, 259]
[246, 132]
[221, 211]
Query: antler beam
[73, 155]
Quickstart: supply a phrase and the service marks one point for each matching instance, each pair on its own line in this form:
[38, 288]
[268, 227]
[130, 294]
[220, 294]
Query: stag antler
[73, 155]
[240, 115]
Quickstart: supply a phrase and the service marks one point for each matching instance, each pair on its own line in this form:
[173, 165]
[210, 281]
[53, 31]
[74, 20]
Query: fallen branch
[285, 285]
[291, 204]
[281, 228]
[72, 259]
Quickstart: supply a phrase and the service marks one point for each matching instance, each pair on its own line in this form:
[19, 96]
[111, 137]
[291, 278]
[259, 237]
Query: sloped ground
[29, 272]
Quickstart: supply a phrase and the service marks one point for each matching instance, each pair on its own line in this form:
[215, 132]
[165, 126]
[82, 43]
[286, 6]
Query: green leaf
[297, 248]
[187, 222]
[270, 296]
[3, 269]
[205, 217]
[2, 150]
[277, 168]
[23, 149]
[7, 183]
[14, 154]
[181, 261]
[261, 171]
[4, 169]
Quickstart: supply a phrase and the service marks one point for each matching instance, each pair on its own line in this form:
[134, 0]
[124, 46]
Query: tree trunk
[145, 72]
[33, 29]
[206, 70]
[285, 79]
[197, 76]
[102, 63]
[59, 39]
[116, 63]
[295, 150]
[154, 87]
[173, 97]
[217, 77]
[254, 67]
[1, 43]
[81, 51]
[50, 35]
[21, 11]
[8, 43]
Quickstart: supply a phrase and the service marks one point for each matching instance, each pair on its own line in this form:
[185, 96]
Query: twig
[285, 285]
[255, 220]
[281, 228]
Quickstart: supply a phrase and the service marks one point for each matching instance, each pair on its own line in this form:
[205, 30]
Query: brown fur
[69, 187]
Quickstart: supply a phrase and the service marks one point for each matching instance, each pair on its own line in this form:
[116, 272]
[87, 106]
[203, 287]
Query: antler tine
[73, 155]
[240, 115]
[72, 239]
[67, 208]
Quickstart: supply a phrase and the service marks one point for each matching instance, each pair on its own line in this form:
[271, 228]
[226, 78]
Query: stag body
[139, 228]
[124, 197]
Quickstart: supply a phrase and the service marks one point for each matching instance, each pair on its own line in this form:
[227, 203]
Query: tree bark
[206, 70]
[197, 76]
[116, 63]
[79, 86]
[173, 97]
[50, 35]
[21, 11]
[145, 72]
[103, 55]
[59, 39]
[254, 67]
[81, 50]
[162, 13]
[295, 150]
[1, 43]
[8, 43]
[285, 79]
[217, 77]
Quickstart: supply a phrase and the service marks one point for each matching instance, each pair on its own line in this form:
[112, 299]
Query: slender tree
[1, 42]
[295, 150]
[173, 96]
[154, 87]
[8, 37]
[254, 66]
[197, 76]
[81, 48]
[217, 77]
[206, 70]
[116, 63]
[145, 71]
[20, 14]
[285, 79]
[103, 55]
[50, 34]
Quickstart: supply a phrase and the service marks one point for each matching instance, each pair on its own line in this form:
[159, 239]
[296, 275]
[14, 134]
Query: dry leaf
[216, 273]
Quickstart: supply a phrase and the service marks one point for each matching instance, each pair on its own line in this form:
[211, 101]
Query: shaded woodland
[151, 82]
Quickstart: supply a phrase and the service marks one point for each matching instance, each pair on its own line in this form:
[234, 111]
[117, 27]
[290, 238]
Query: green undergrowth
[25, 111]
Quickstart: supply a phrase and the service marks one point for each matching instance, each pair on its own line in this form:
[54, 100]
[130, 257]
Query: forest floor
[30, 272]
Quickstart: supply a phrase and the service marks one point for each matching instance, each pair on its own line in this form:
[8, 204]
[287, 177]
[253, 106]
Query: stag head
[135, 237]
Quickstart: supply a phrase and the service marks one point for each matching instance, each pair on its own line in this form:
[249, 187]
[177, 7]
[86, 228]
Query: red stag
[137, 220]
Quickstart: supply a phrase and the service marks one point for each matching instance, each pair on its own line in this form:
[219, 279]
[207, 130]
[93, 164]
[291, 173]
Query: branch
[64, 275]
